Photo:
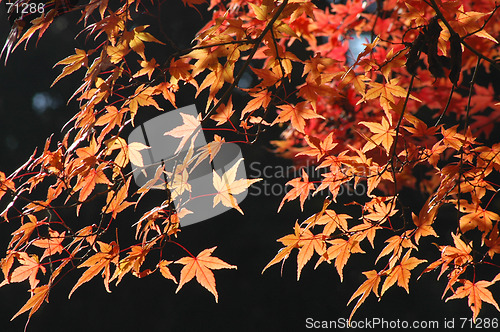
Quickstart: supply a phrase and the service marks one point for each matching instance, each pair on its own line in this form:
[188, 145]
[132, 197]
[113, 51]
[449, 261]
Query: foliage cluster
[406, 113]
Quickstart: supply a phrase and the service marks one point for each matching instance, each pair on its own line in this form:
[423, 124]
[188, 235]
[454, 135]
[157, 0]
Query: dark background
[248, 300]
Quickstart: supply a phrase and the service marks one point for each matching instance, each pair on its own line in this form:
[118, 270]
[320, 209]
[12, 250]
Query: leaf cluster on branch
[411, 99]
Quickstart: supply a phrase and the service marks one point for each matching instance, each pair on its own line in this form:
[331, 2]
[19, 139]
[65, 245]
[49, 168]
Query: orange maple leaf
[306, 241]
[115, 202]
[227, 187]
[476, 217]
[52, 244]
[341, 251]
[223, 113]
[211, 149]
[136, 37]
[142, 97]
[493, 241]
[30, 265]
[469, 22]
[128, 152]
[260, 99]
[424, 220]
[301, 188]
[111, 119]
[401, 272]
[383, 135]
[5, 185]
[476, 292]
[168, 91]
[73, 62]
[201, 266]
[148, 67]
[87, 183]
[40, 294]
[386, 93]
[318, 147]
[395, 245]
[165, 271]
[332, 221]
[23, 233]
[100, 261]
[370, 285]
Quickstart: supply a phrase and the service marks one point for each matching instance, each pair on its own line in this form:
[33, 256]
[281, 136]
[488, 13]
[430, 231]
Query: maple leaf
[189, 129]
[40, 23]
[23, 233]
[451, 138]
[108, 254]
[30, 265]
[165, 271]
[201, 266]
[297, 115]
[132, 262]
[223, 113]
[269, 77]
[378, 210]
[260, 99]
[383, 135]
[468, 22]
[128, 152]
[333, 181]
[424, 220]
[476, 217]
[227, 187]
[115, 202]
[358, 81]
[493, 242]
[73, 62]
[142, 97]
[52, 244]
[291, 241]
[148, 67]
[341, 251]
[309, 243]
[136, 37]
[386, 93]
[370, 285]
[40, 294]
[305, 241]
[87, 183]
[5, 185]
[301, 188]
[319, 147]
[401, 272]
[395, 245]
[459, 254]
[168, 91]
[476, 292]
[332, 221]
[111, 119]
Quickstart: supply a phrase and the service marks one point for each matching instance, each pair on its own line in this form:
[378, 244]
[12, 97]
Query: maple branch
[248, 60]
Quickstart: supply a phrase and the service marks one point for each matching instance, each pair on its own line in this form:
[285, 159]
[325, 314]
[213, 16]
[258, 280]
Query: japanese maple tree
[410, 100]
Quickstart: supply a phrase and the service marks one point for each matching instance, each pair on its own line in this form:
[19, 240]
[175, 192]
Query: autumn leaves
[376, 118]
